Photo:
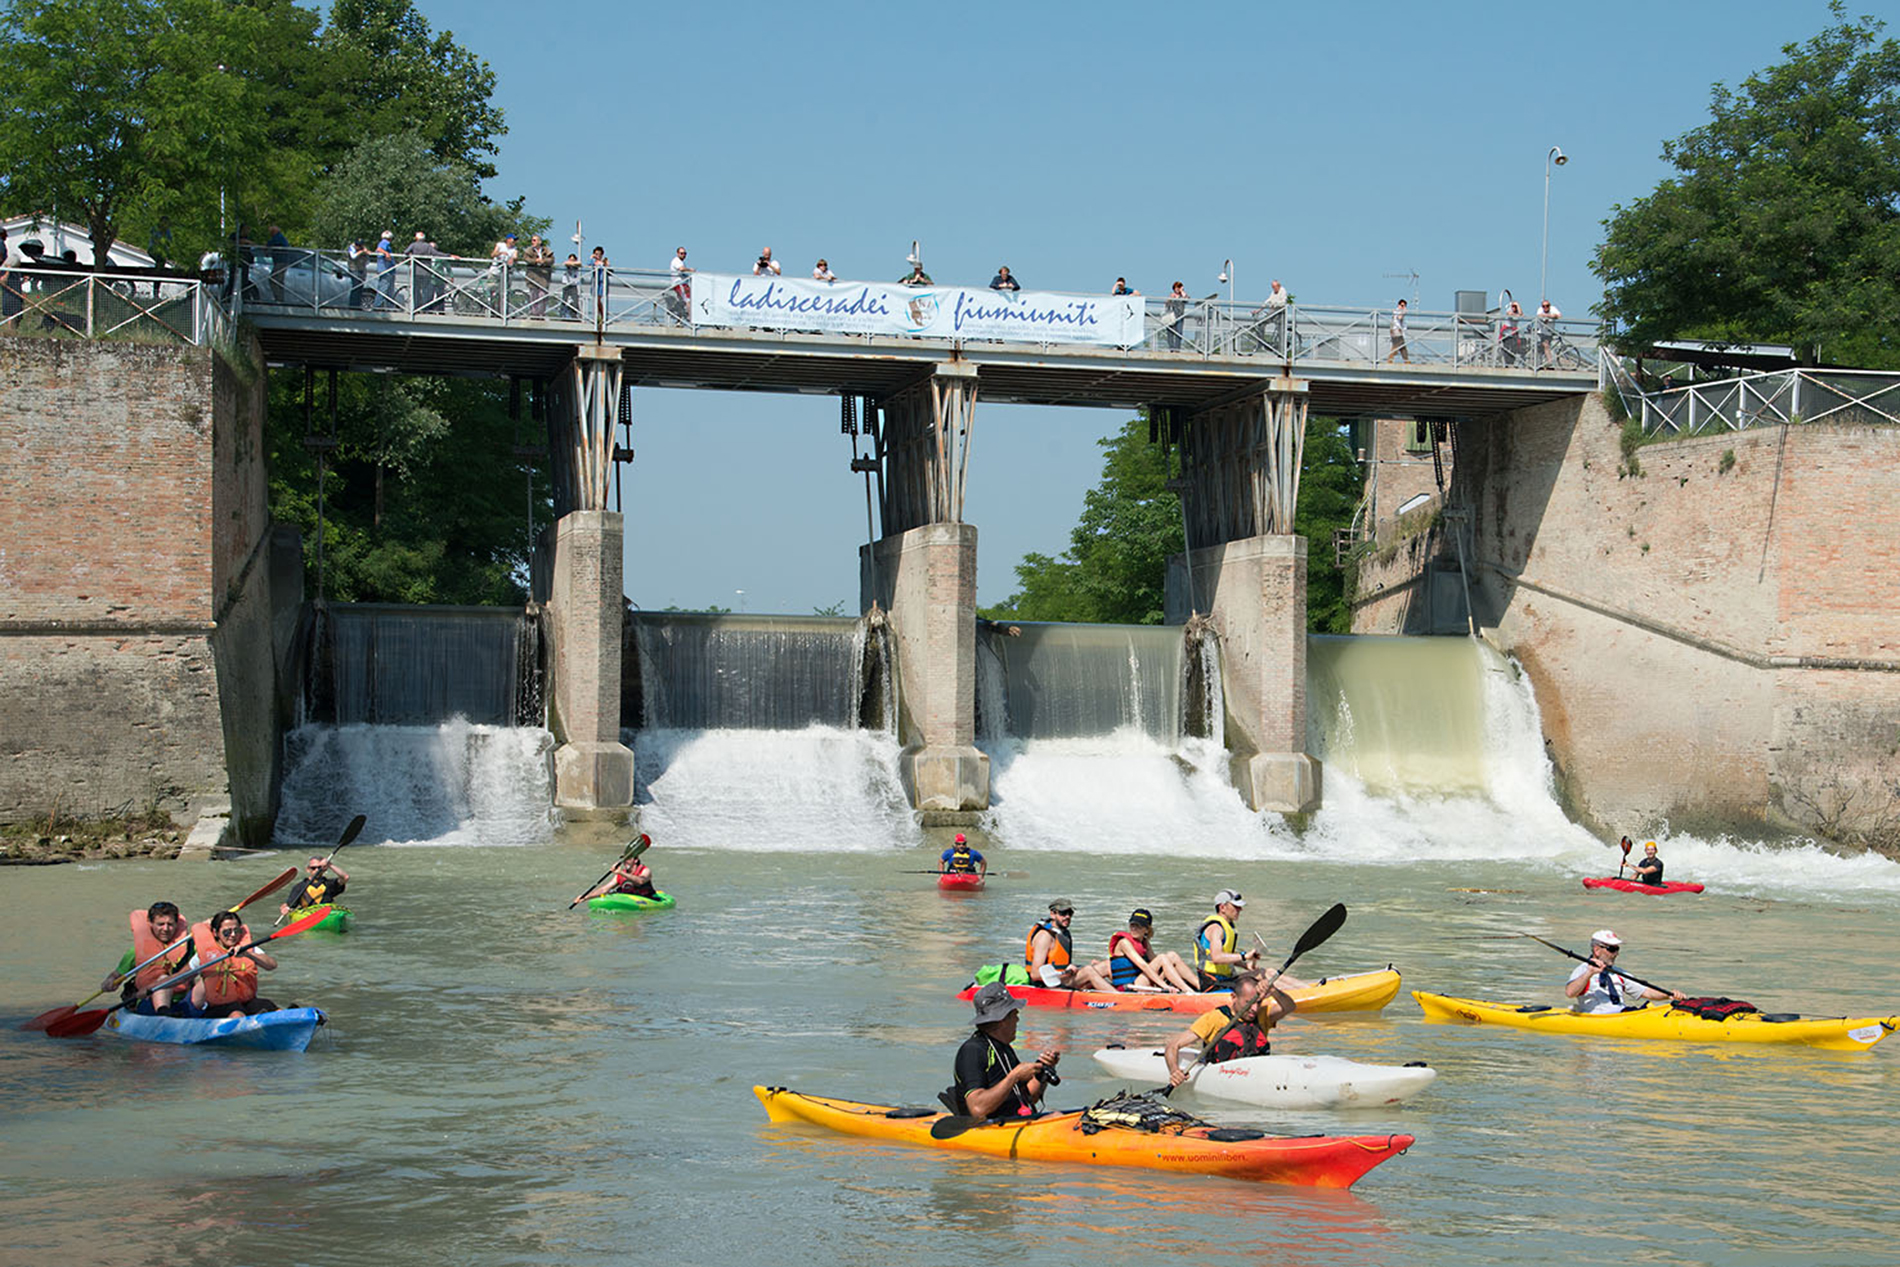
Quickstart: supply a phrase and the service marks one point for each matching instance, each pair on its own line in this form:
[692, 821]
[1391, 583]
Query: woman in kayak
[991, 1080]
[228, 986]
[1223, 1037]
[1133, 964]
[1597, 987]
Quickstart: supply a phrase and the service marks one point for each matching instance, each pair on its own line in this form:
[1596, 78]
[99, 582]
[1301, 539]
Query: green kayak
[630, 902]
[336, 919]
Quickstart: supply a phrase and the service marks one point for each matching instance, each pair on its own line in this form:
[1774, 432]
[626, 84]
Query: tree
[1783, 223]
[1115, 569]
[398, 182]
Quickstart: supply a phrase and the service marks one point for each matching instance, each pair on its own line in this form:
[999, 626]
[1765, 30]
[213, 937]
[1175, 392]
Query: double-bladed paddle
[83, 1023]
[350, 833]
[1322, 929]
[45, 1019]
[633, 850]
[1594, 964]
[992, 875]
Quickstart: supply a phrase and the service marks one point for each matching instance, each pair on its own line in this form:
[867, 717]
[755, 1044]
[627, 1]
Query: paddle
[633, 850]
[1322, 929]
[78, 1026]
[1008, 875]
[1624, 863]
[1593, 963]
[350, 833]
[60, 1013]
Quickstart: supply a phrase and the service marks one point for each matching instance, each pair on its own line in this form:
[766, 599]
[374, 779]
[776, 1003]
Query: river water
[507, 1082]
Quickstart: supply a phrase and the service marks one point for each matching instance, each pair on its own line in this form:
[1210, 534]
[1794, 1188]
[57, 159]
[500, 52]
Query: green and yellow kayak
[630, 902]
[1838, 1033]
[336, 919]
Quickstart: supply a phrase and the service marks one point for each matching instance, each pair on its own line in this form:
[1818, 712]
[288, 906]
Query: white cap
[1228, 895]
[1604, 937]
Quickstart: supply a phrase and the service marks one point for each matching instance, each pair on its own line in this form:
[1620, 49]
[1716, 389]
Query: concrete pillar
[926, 579]
[593, 770]
[1255, 591]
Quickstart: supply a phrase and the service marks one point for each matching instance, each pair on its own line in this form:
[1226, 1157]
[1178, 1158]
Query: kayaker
[321, 883]
[630, 875]
[961, 859]
[1217, 956]
[228, 987]
[991, 1081]
[158, 928]
[1133, 964]
[1650, 869]
[1259, 1009]
[1597, 988]
[1049, 949]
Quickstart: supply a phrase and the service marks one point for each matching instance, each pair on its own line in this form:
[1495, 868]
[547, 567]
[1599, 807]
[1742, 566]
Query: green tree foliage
[397, 182]
[424, 500]
[1783, 223]
[404, 76]
[1115, 569]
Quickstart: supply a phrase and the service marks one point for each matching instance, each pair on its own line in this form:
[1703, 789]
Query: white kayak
[1276, 1082]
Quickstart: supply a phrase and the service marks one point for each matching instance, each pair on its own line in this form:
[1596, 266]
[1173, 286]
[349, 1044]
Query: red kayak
[1633, 886]
[959, 882]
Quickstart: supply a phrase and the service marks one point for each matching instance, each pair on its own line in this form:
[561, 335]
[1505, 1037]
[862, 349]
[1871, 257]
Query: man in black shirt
[991, 1082]
[321, 882]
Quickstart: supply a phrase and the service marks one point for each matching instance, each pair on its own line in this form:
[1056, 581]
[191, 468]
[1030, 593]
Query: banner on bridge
[926, 312]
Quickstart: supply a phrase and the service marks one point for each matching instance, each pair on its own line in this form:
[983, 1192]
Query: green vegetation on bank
[1115, 568]
[1782, 223]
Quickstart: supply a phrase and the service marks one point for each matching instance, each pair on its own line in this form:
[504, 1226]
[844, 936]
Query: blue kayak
[287, 1029]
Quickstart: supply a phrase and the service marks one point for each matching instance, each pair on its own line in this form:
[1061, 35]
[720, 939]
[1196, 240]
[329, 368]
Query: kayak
[1319, 1160]
[954, 882]
[1637, 886]
[631, 902]
[1835, 1033]
[1275, 1082]
[287, 1029]
[1357, 992]
[336, 919]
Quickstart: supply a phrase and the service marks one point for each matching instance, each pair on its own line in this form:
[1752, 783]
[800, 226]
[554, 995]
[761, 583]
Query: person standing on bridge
[424, 286]
[679, 300]
[821, 272]
[1398, 336]
[765, 265]
[917, 276]
[1003, 281]
[1175, 306]
[602, 268]
[571, 287]
[538, 260]
[1546, 318]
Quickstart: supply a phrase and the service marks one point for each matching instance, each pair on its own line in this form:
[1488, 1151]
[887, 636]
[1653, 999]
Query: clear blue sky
[1328, 145]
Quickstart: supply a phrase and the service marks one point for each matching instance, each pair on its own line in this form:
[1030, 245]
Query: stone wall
[1713, 640]
[135, 653]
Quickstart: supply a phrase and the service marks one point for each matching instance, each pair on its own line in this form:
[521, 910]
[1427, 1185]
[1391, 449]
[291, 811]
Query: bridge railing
[127, 306]
[311, 280]
[1773, 398]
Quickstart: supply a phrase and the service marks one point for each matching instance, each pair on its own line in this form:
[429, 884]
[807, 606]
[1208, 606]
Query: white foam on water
[452, 784]
[821, 789]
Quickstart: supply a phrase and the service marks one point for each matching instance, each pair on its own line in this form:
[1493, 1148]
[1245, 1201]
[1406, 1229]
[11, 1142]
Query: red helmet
[960, 839]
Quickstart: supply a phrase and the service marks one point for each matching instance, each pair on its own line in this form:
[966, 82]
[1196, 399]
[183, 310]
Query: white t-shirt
[504, 253]
[1599, 999]
[677, 267]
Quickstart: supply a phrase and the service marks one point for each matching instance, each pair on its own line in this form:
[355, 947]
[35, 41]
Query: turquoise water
[506, 1082]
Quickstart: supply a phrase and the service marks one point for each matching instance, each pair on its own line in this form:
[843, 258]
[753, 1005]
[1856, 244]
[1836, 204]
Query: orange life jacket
[1058, 953]
[234, 980]
[145, 944]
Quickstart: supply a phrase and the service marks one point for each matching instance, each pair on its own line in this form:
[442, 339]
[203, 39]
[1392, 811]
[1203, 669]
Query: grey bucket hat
[994, 1002]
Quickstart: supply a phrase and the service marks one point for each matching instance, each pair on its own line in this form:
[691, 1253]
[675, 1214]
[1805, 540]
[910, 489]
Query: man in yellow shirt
[1257, 1008]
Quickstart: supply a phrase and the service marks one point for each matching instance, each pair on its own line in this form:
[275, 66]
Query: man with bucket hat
[1597, 987]
[991, 1080]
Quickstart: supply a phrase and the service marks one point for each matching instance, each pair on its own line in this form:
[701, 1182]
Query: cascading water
[757, 731]
[385, 664]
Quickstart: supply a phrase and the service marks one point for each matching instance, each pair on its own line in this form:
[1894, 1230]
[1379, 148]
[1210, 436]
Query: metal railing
[302, 279]
[1769, 399]
[133, 307]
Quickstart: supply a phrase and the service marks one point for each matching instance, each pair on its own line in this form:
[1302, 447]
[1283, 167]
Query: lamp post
[1227, 275]
[1556, 158]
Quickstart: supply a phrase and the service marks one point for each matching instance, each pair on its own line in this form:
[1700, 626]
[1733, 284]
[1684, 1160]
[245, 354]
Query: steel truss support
[584, 409]
[923, 447]
[1241, 463]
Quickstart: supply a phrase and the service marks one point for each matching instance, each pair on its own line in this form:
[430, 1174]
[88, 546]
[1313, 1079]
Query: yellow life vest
[1229, 939]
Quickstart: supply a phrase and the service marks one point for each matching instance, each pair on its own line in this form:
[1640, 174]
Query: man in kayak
[228, 984]
[1258, 1009]
[1217, 956]
[157, 930]
[1133, 964]
[1597, 987]
[320, 884]
[991, 1081]
[960, 859]
[1650, 869]
[1049, 949]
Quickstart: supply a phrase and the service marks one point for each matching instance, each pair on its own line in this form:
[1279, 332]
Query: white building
[59, 237]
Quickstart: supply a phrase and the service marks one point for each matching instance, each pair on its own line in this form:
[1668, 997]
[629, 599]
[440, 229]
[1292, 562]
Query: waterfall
[1046, 681]
[722, 672]
[1398, 714]
[391, 664]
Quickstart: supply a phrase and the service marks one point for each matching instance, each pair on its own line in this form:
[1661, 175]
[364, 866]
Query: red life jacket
[1244, 1039]
[234, 980]
[145, 944]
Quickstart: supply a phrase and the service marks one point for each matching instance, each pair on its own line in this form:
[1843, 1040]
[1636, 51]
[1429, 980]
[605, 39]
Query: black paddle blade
[351, 832]
[952, 1125]
[1323, 928]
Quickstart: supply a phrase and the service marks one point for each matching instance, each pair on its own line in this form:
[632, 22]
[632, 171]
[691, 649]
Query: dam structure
[1227, 387]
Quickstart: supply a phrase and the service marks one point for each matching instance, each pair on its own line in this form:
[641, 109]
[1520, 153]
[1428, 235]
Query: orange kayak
[1320, 1161]
[1357, 992]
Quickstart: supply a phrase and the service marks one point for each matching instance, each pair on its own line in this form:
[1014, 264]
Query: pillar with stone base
[926, 579]
[593, 770]
[1255, 591]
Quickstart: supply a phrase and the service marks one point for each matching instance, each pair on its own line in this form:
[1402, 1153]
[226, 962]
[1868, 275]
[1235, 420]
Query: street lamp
[741, 594]
[1556, 158]
[1227, 276]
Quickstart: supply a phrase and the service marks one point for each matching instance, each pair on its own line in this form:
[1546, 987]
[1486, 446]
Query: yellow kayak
[1838, 1033]
[1356, 992]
